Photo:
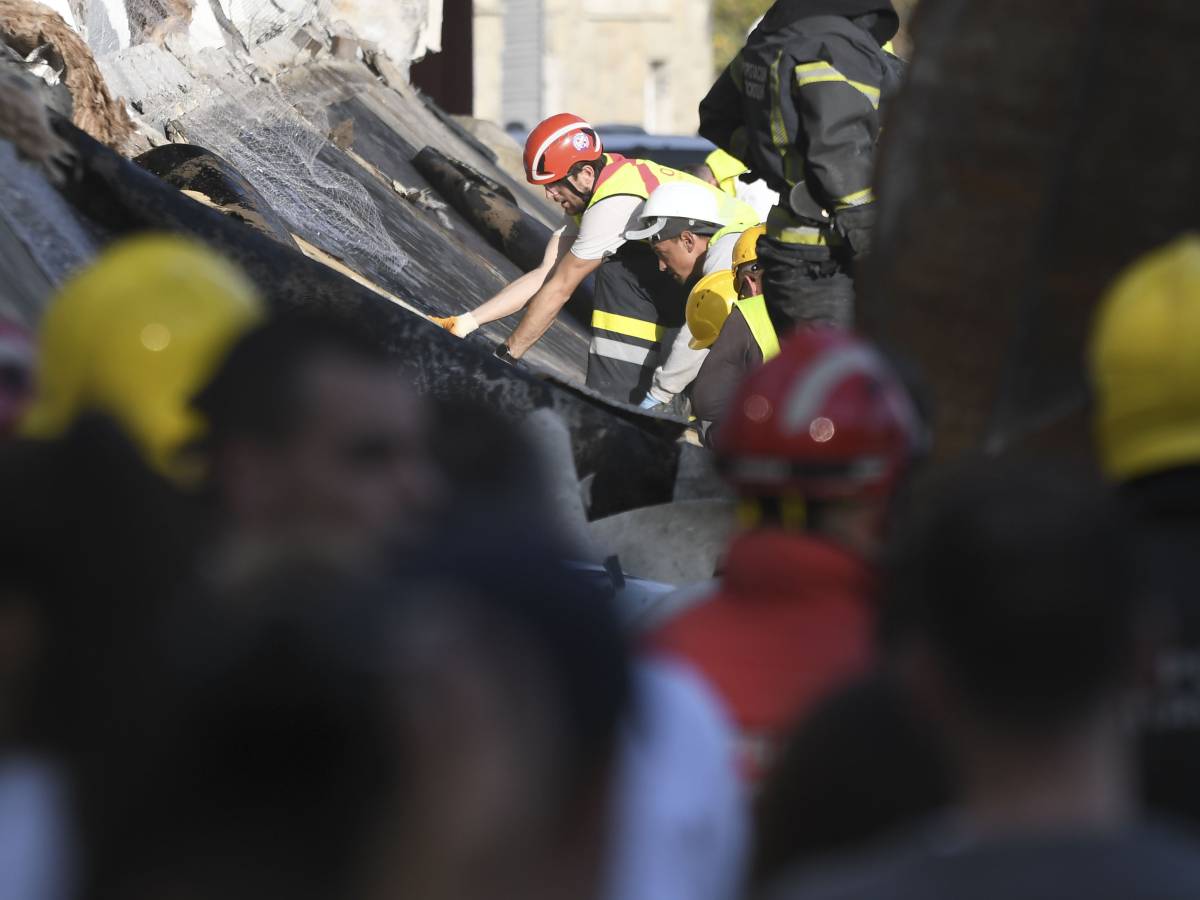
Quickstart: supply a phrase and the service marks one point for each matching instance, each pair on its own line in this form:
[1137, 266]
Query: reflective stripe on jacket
[801, 106]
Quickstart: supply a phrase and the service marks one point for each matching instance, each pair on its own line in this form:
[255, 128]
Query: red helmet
[827, 418]
[16, 374]
[557, 144]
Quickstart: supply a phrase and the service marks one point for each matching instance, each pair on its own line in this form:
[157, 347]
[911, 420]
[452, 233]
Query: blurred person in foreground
[16, 375]
[97, 532]
[1024, 634]
[316, 445]
[677, 822]
[816, 445]
[863, 765]
[446, 734]
[1145, 370]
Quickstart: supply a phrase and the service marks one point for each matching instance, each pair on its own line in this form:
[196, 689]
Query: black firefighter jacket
[800, 105]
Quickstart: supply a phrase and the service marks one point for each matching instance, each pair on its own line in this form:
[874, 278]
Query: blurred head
[274, 762]
[747, 274]
[820, 437]
[1145, 365]
[428, 736]
[16, 374]
[518, 698]
[863, 764]
[1020, 597]
[317, 440]
[133, 337]
[564, 155]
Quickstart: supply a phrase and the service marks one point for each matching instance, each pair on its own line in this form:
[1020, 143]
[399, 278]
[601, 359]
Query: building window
[655, 103]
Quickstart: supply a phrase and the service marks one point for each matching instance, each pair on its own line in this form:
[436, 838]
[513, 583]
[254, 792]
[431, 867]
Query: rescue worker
[134, 337]
[1144, 358]
[684, 224]
[725, 172]
[16, 374]
[636, 304]
[708, 307]
[800, 104]
[746, 340]
[815, 445]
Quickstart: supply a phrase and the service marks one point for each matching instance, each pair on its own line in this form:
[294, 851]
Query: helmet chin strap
[576, 191]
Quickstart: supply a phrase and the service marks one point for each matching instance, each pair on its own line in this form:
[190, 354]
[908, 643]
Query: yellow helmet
[1145, 364]
[708, 307]
[135, 336]
[746, 248]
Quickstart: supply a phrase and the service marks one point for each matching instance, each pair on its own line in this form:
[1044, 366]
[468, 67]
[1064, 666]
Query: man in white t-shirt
[636, 306]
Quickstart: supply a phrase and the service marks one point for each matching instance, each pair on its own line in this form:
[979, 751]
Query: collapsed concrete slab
[297, 162]
[632, 456]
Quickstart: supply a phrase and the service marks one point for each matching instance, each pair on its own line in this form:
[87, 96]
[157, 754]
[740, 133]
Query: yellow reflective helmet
[135, 336]
[725, 168]
[746, 248]
[1144, 357]
[708, 307]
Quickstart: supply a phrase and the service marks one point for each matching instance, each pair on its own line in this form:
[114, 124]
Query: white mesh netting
[276, 148]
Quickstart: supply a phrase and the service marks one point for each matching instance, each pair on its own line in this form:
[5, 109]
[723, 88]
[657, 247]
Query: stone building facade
[635, 62]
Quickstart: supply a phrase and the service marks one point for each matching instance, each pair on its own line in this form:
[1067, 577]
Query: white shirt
[681, 823]
[758, 195]
[36, 852]
[601, 232]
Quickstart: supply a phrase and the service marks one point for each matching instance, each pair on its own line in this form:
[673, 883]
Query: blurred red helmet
[557, 144]
[16, 374]
[827, 419]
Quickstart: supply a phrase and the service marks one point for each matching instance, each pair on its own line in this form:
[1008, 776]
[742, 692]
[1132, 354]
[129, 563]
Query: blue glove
[648, 402]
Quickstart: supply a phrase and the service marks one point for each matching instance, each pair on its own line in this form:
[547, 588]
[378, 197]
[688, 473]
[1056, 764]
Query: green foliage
[731, 20]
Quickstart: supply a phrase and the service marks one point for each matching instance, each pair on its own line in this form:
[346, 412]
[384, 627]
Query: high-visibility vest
[754, 311]
[725, 169]
[640, 177]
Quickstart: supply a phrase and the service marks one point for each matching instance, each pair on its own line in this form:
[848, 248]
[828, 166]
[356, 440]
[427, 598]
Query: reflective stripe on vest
[725, 169]
[783, 225]
[628, 326]
[635, 177]
[630, 353]
[754, 311]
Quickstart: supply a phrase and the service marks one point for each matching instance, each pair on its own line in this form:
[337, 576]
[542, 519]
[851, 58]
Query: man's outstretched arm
[568, 273]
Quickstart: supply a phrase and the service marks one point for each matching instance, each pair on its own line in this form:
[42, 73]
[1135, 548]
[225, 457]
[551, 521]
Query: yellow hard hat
[708, 307]
[1145, 364]
[135, 336]
[746, 248]
[725, 169]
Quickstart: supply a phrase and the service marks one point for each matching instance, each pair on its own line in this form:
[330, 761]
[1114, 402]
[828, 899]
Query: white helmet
[698, 205]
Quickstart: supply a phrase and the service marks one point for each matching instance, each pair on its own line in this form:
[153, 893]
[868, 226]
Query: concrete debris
[25, 123]
[676, 543]
[28, 28]
[299, 139]
[425, 199]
